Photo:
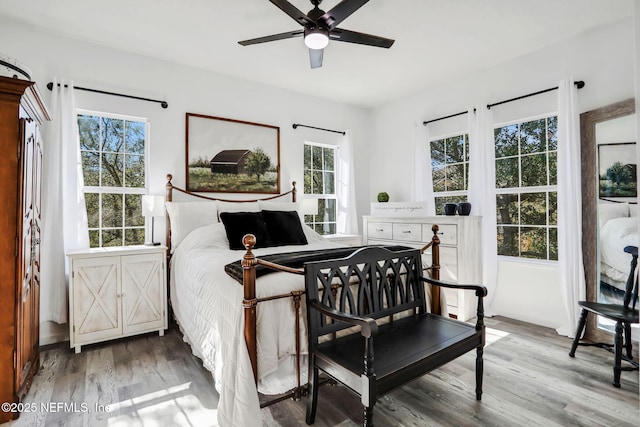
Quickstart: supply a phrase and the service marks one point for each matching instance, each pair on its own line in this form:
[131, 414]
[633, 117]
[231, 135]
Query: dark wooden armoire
[22, 112]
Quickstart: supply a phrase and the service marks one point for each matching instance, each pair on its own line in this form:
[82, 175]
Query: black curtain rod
[162, 103]
[579, 84]
[295, 125]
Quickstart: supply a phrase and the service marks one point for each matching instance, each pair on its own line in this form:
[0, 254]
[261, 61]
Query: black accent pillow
[284, 228]
[237, 224]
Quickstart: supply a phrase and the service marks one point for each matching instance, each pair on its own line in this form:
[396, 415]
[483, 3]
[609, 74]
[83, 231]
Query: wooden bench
[382, 294]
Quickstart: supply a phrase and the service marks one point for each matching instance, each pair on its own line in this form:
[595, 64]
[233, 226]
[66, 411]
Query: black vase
[449, 208]
[464, 208]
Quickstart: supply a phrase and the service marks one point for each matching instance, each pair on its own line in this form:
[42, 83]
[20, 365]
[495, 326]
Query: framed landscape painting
[617, 170]
[231, 156]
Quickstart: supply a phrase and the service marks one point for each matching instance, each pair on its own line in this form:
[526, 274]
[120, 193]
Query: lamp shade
[152, 206]
[309, 207]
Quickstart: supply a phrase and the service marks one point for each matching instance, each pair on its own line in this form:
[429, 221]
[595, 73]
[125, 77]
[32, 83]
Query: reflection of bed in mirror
[618, 228]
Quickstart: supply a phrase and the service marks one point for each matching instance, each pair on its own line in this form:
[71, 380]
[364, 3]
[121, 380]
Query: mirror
[608, 136]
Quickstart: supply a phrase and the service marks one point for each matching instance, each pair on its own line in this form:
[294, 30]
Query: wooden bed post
[250, 302]
[168, 197]
[435, 269]
[294, 192]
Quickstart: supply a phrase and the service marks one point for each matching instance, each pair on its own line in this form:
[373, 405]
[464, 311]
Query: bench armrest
[368, 325]
[481, 291]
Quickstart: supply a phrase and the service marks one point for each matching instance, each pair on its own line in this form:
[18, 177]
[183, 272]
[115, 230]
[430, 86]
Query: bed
[248, 350]
[618, 228]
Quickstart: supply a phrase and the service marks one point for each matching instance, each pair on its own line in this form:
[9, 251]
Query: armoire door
[28, 289]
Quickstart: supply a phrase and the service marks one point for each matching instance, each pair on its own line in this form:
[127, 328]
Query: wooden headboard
[170, 188]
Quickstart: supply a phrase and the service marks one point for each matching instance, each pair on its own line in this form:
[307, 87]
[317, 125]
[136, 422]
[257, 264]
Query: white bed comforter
[207, 304]
[614, 236]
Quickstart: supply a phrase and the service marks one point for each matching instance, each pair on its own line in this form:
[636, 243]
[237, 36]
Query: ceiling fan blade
[340, 12]
[293, 12]
[273, 37]
[315, 55]
[341, 35]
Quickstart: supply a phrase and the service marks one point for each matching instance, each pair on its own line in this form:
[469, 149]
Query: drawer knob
[407, 231]
[380, 229]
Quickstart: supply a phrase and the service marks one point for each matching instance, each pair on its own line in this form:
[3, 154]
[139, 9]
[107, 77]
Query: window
[450, 170]
[113, 164]
[320, 184]
[526, 187]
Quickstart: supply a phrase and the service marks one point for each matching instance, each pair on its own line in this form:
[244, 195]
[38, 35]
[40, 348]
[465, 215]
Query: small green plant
[383, 197]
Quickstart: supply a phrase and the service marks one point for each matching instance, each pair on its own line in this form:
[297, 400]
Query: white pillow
[607, 211]
[633, 210]
[237, 207]
[272, 205]
[187, 216]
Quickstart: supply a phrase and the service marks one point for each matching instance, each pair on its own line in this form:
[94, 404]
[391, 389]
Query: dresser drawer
[448, 233]
[407, 232]
[379, 230]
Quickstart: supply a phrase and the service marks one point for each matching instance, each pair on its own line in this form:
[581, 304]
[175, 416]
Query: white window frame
[532, 189]
[318, 196]
[119, 190]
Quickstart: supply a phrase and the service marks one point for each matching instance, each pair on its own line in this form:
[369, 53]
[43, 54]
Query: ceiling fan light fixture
[316, 38]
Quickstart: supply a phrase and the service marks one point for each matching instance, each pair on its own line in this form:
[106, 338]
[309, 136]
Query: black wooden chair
[624, 315]
[363, 290]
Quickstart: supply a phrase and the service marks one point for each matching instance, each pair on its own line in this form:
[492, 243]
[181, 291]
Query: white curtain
[482, 193]
[571, 268]
[347, 220]
[422, 178]
[64, 223]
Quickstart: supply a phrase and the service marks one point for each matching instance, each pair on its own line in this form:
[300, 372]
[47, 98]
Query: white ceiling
[436, 40]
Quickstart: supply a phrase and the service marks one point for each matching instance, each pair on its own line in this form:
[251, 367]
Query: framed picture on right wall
[617, 170]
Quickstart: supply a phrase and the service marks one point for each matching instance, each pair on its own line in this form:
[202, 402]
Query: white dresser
[116, 292]
[460, 250]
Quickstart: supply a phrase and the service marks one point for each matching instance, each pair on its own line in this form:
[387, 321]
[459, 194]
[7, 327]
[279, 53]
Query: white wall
[603, 58]
[186, 90]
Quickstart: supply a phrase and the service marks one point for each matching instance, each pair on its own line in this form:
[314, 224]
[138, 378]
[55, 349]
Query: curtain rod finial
[295, 126]
[579, 84]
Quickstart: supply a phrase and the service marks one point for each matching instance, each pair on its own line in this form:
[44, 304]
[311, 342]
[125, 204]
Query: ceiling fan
[320, 27]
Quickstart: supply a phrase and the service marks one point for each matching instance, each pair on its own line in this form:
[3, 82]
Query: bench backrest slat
[373, 281]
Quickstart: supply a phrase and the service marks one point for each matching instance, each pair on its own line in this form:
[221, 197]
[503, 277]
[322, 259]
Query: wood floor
[529, 380]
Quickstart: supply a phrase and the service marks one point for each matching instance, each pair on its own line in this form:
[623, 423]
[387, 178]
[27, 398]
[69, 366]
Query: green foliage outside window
[450, 170]
[113, 164]
[526, 200]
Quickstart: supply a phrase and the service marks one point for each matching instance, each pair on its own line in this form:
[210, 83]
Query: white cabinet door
[143, 293]
[96, 299]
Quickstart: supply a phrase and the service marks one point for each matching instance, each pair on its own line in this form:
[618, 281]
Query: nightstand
[345, 239]
[116, 292]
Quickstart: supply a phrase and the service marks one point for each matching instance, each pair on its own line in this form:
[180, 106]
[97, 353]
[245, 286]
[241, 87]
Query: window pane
[307, 182]
[533, 137]
[454, 149]
[94, 238]
[111, 210]
[437, 153]
[440, 201]
[534, 170]
[533, 242]
[553, 208]
[133, 210]
[134, 173]
[328, 159]
[466, 147]
[455, 177]
[112, 237]
[134, 236]
[552, 133]
[316, 186]
[329, 182]
[113, 130]
[533, 208]
[553, 243]
[508, 241]
[91, 168]
[506, 141]
[112, 168]
[507, 208]
[89, 131]
[316, 158]
[553, 168]
[329, 210]
[135, 132]
[507, 172]
[307, 156]
[92, 201]
[438, 180]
